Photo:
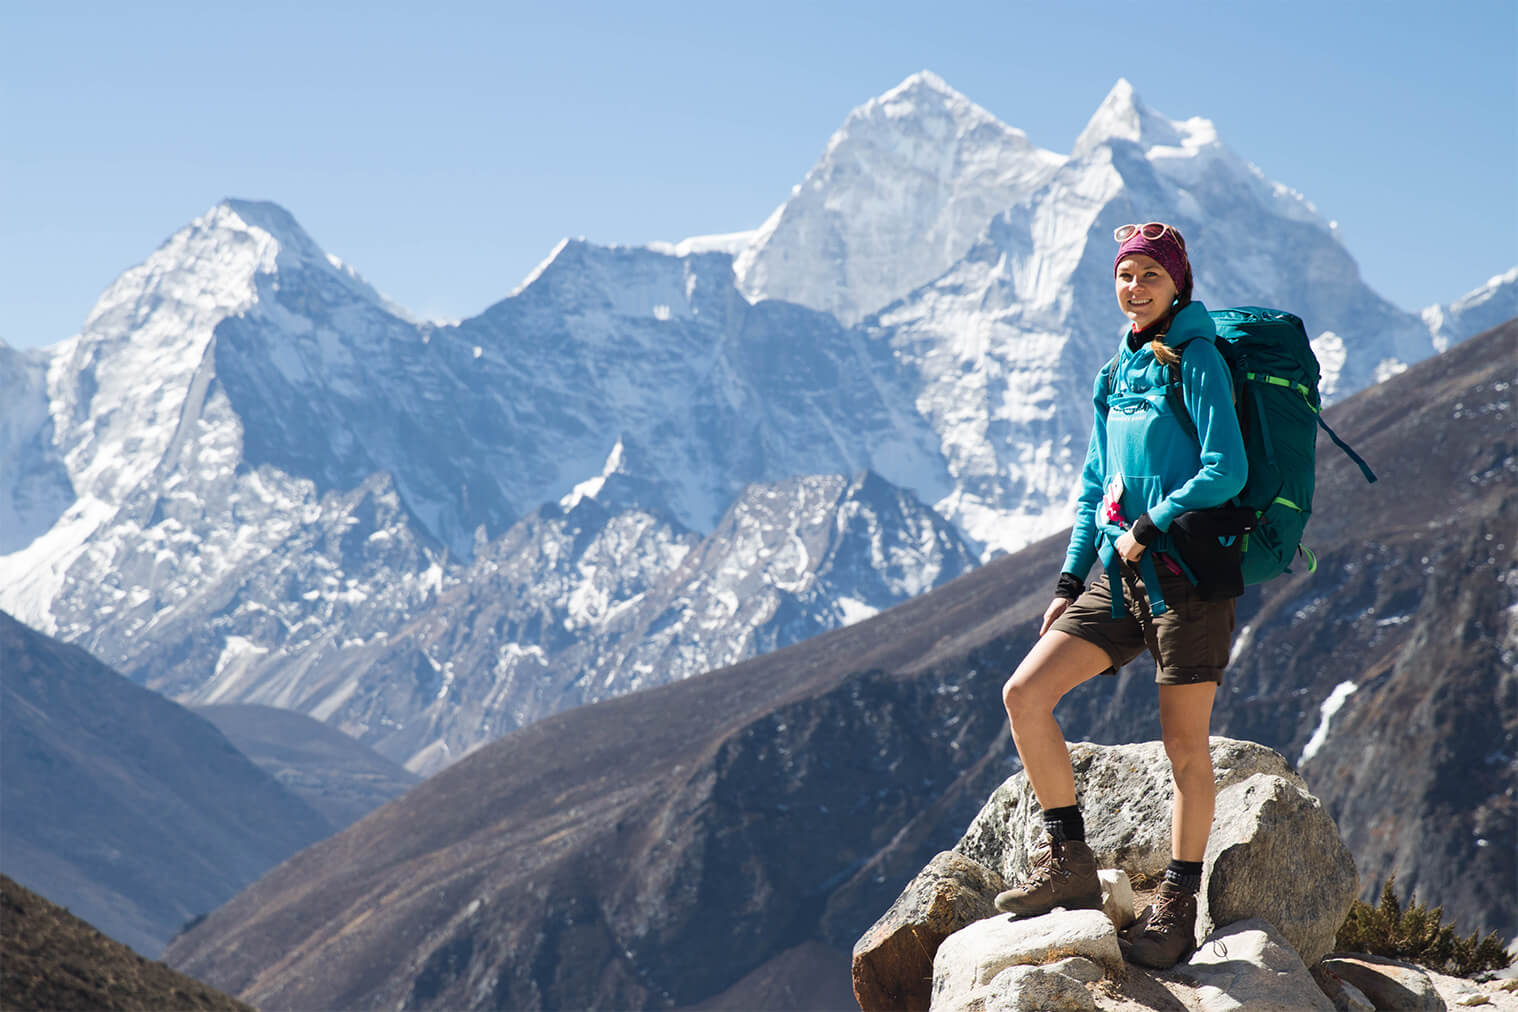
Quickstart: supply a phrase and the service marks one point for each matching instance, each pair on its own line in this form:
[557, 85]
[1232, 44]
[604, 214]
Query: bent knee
[1188, 754]
[1022, 699]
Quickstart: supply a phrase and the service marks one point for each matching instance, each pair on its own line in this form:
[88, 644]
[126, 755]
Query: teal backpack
[1275, 382]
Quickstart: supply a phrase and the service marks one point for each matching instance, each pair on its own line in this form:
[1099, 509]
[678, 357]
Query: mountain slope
[39, 489]
[123, 806]
[338, 777]
[281, 513]
[50, 959]
[598, 596]
[652, 850]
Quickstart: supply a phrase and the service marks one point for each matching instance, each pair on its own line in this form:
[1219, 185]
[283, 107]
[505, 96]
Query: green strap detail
[1312, 560]
[1279, 381]
[1288, 503]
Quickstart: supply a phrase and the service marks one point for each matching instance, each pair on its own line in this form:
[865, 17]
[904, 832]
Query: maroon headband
[1165, 251]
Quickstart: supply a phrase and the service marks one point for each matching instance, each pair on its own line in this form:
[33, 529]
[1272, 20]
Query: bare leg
[1185, 714]
[1057, 663]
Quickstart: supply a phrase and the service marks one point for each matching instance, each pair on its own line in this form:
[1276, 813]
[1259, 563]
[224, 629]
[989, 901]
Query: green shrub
[1415, 935]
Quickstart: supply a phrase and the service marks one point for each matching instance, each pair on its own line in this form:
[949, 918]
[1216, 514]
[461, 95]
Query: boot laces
[1168, 911]
[1043, 867]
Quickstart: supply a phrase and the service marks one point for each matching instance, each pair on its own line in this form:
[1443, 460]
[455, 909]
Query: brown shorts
[1189, 641]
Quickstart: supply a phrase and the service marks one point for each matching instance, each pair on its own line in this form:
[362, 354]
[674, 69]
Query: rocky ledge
[1277, 882]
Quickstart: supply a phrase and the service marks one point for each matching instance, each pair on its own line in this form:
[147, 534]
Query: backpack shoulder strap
[1104, 377]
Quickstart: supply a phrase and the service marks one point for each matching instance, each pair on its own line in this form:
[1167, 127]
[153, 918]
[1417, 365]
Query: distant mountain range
[252, 479]
[709, 837]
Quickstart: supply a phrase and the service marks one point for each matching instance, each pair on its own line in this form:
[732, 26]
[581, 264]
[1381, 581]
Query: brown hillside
[50, 959]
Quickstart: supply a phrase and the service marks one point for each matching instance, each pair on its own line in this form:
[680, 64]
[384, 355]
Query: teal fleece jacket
[1143, 453]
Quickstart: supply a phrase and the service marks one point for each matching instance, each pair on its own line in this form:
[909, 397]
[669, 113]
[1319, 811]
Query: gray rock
[1344, 995]
[972, 957]
[893, 960]
[1085, 970]
[1249, 965]
[1388, 983]
[1274, 851]
[1124, 793]
[1491, 995]
[1037, 989]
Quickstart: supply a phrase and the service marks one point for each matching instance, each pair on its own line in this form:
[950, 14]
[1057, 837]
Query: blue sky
[442, 149]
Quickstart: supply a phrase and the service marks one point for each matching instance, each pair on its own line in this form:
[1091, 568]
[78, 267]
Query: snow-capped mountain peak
[901, 191]
[1123, 116]
[924, 97]
[237, 213]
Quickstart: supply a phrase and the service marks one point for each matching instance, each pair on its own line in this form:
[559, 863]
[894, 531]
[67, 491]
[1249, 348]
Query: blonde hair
[1163, 353]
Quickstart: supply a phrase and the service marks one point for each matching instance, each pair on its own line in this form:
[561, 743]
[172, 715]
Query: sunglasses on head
[1149, 230]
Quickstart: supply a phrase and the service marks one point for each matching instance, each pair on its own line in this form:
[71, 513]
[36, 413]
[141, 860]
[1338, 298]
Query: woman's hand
[1128, 547]
[1055, 610]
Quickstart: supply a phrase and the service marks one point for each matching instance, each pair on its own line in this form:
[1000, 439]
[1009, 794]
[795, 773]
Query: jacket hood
[1192, 322]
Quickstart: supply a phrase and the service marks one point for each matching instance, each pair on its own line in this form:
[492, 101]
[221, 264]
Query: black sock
[1065, 823]
[1185, 874]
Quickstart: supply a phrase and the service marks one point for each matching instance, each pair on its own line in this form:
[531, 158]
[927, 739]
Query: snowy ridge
[731, 243]
[1493, 303]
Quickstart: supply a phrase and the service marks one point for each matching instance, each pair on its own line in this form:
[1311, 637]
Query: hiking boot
[1168, 932]
[1063, 875]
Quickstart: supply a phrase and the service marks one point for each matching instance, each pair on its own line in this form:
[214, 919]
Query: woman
[1142, 470]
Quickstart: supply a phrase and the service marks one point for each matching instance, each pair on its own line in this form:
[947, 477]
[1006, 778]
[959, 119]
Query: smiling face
[1144, 290]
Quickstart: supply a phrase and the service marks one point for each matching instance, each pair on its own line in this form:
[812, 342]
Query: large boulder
[1388, 983]
[1344, 995]
[974, 957]
[1248, 965]
[1274, 852]
[893, 960]
[1057, 987]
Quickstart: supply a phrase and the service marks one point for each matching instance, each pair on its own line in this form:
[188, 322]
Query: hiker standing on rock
[1143, 469]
